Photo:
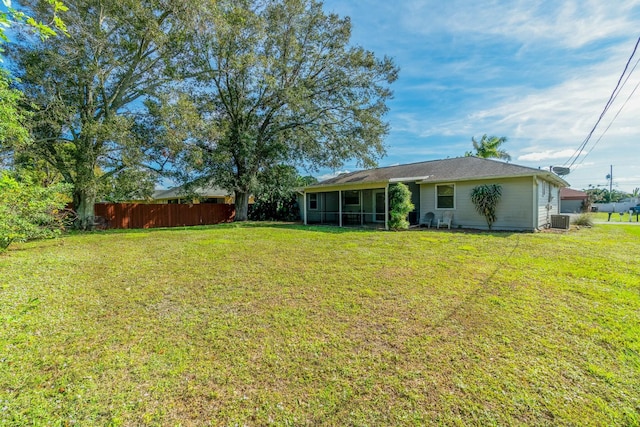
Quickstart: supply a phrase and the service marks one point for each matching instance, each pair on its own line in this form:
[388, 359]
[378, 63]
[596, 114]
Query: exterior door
[379, 206]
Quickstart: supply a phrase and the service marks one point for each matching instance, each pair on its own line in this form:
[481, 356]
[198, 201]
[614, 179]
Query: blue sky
[537, 72]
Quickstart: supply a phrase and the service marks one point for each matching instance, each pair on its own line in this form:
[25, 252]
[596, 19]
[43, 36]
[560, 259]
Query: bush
[583, 220]
[285, 209]
[29, 211]
[485, 198]
[400, 204]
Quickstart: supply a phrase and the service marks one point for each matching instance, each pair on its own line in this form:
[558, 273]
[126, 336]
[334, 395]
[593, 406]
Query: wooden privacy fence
[139, 215]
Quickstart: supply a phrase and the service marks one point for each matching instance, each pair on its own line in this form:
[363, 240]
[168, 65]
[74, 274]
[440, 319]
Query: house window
[352, 198]
[445, 196]
[313, 201]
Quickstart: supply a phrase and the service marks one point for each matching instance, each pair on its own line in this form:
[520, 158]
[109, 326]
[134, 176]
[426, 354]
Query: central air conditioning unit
[560, 221]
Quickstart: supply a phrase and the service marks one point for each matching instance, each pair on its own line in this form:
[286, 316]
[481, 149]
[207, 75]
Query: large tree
[489, 148]
[11, 118]
[279, 83]
[85, 90]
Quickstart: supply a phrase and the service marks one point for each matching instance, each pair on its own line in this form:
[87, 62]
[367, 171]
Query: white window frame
[313, 197]
[454, 197]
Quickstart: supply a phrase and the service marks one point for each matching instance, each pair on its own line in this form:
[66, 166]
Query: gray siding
[514, 212]
[548, 202]
[571, 206]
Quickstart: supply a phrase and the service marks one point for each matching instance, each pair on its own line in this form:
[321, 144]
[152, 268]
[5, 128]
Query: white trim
[340, 208]
[452, 184]
[535, 214]
[304, 202]
[546, 176]
[386, 207]
[375, 204]
[415, 178]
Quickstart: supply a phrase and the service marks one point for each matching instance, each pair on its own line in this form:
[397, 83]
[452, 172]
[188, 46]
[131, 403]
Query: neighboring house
[199, 195]
[529, 196]
[573, 201]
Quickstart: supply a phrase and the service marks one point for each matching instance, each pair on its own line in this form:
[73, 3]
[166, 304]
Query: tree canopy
[12, 17]
[11, 117]
[278, 83]
[85, 91]
[489, 148]
[224, 90]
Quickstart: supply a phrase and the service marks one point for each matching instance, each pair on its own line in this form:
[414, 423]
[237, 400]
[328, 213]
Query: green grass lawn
[615, 216]
[286, 325]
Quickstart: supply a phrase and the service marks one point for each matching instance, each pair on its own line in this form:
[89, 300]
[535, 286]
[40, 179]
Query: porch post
[386, 207]
[304, 211]
[361, 208]
[340, 208]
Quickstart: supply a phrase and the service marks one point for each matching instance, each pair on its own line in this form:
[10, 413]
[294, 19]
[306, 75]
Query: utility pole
[610, 180]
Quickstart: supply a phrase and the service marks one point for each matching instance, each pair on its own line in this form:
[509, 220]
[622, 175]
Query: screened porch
[356, 208]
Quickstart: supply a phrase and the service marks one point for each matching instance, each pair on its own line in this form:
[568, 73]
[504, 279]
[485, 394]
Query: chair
[447, 217]
[427, 220]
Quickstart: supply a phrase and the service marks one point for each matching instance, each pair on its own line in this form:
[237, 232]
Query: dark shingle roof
[570, 193]
[177, 192]
[456, 169]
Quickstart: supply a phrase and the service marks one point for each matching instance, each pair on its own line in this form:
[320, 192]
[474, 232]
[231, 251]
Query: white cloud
[570, 23]
[546, 155]
[536, 71]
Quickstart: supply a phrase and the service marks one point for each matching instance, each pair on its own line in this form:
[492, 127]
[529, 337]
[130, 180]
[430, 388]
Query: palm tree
[489, 148]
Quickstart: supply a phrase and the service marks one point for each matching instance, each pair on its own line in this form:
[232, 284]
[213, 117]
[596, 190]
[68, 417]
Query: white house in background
[529, 196]
[198, 195]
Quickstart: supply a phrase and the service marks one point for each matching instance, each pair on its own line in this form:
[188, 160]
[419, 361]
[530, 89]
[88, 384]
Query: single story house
[529, 196]
[198, 195]
[573, 201]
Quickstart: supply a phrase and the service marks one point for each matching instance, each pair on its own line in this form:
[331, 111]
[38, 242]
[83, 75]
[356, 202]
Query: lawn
[269, 324]
[615, 216]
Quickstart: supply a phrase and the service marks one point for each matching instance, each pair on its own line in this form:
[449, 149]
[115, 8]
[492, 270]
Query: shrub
[485, 198]
[400, 204]
[283, 209]
[29, 211]
[583, 220]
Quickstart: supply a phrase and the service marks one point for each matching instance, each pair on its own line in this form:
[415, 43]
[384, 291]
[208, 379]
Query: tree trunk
[242, 205]
[84, 202]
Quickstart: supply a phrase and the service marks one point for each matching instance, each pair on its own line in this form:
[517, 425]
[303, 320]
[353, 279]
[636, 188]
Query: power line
[614, 94]
[610, 123]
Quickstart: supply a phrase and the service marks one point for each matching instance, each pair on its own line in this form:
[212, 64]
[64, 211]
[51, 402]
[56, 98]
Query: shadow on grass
[231, 225]
[319, 228]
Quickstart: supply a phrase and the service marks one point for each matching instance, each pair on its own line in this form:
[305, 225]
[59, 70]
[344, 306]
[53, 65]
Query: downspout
[386, 207]
[536, 208]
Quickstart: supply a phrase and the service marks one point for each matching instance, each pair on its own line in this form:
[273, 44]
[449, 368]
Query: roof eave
[345, 186]
[548, 175]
